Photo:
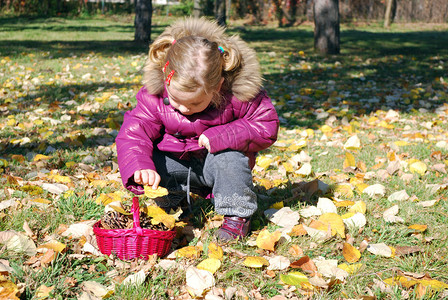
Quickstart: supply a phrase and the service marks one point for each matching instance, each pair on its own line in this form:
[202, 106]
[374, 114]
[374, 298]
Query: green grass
[66, 83]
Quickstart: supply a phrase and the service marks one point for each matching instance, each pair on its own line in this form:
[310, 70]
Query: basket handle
[136, 215]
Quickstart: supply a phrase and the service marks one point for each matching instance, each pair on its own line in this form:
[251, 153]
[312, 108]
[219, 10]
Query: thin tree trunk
[197, 11]
[142, 23]
[388, 14]
[326, 26]
[220, 12]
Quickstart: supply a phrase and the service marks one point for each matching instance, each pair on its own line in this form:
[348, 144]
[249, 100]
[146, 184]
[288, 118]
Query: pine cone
[115, 220]
[145, 222]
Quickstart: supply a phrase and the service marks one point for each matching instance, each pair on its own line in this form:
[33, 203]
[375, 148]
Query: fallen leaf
[353, 143]
[418, 227]
[357, 220]
[215, 251]
[8, 290]
[336, 223]
[380, 249]
[136, 279]
[284, 217]
[375, 190]
[43, 292]
[54, 245]
[306, 264]
[278, 262]
[198, 281]
[20, 243]
[267, 240]
[155, 193]
[97, 289]
[398, 196]
[350, 253]
[297, 230]
[255, 262]
[326, 205]
[295, 250]
[389, 215]
[351, 269]
[359, 206]
[209, 264]
[418, 167]
[189, 252]
[295, 278]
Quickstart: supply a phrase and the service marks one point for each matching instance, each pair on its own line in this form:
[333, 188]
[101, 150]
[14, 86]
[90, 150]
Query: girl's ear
[220, 84]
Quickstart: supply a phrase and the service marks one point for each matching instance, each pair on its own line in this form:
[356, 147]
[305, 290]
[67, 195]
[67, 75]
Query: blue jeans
[225, 174]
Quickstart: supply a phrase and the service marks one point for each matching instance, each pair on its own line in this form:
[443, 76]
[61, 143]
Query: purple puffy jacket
[243, 126]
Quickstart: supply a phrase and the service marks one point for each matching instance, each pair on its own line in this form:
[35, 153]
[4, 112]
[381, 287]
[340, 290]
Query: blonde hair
[190, 46]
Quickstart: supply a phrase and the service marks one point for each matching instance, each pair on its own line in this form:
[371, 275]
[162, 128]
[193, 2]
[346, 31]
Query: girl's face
[188, 103]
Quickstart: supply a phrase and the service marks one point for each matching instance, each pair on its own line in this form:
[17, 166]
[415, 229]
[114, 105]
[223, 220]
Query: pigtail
[241, 69]
[153, 74]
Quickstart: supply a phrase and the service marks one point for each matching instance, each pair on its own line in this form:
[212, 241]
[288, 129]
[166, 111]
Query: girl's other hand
[204, 142]
[147, 177]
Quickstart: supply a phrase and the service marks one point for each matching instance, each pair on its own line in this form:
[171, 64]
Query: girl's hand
[147, 177]
[204, 142]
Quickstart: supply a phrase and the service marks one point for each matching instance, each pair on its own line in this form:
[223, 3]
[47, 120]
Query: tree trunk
[197, 11]
[220, 12]
[388, 14]
[326, 26]
[142, 23]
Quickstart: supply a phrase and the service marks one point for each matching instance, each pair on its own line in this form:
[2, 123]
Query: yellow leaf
[215, 251]
[347, 215]
[120, 210]
[349, 160]
[255, 262]
[418, 167]
[99, 183]
[40, 157]
[267, 240]
[288, 167]
[209, 264]
[401, 280]
[70, 164]
[294, 278]
[105, 199]
[59, 178]
[359, 206]
[8, 290]
[159, 192]
[351, 269]
[361, 187]
[401, 143]
[434, 284]
[153, 211]
[264, 161]
[386, 125]
[277, 205]
[335, 221]
[350, 253]
[53, 245]
[326, 129]
[418, 227]
[166, 219]
[189, 252]
[297, 145]
[344, 190]
[344, 203]
[41, 200]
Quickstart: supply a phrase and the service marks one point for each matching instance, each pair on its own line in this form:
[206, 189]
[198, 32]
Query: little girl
[199, 121]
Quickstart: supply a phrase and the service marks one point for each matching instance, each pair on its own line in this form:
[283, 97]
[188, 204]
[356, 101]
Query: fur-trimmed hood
[243, 82]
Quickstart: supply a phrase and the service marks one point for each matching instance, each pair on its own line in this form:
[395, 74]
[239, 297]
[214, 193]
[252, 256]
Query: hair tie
[168, 78]
[166, 66]
[173, 42]
[221, 49]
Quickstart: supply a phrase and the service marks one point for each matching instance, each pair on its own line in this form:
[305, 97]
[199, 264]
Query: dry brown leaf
[295, 250]
[306, 264]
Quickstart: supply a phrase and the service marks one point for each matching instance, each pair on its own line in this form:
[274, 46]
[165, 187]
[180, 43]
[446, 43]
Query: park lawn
[363, 132]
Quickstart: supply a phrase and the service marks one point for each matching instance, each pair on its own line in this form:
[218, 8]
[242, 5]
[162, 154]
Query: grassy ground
[65, 85]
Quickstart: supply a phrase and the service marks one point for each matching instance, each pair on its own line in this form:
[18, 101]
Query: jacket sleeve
[135, 140]
[255, 128]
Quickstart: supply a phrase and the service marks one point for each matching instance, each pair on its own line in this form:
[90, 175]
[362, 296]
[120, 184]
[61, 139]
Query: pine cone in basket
[145, 222]
[116, 220]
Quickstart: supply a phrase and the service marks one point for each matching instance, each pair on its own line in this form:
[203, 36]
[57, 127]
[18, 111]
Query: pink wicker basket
[133, 243]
